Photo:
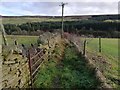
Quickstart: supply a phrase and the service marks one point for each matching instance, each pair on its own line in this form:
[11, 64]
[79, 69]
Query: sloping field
[20, 20]
[109, 58]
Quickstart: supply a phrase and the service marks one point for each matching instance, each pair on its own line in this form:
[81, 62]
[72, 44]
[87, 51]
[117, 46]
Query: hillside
[24, 19]
[96, 25]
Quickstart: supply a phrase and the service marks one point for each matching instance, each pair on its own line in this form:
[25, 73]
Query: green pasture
[27, 40]
[109, 47]
[110, 53]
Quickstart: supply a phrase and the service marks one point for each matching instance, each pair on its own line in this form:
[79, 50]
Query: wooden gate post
[30, 67]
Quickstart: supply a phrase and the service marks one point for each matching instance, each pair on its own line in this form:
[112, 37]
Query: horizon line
[58, 15]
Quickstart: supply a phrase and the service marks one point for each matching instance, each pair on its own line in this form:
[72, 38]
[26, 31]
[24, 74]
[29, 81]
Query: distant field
[27, 40]
[25, 19]
[29, 19]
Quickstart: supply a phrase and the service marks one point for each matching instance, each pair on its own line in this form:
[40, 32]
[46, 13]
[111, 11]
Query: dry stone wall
[15, 72]
[15, 67]
[99, 75]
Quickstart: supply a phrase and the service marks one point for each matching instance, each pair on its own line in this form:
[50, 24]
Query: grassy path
[69, 72]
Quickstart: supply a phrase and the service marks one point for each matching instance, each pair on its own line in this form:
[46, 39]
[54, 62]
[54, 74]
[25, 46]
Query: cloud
[92, 8]
[53, 8]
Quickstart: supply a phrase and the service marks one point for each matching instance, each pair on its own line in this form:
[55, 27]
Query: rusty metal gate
[35, 61]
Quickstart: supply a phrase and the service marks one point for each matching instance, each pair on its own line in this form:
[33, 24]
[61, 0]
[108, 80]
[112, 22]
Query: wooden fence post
[100, 44]
[84, 47]
[15, 42]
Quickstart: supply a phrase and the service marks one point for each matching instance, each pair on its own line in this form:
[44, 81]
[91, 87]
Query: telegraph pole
[62, 31]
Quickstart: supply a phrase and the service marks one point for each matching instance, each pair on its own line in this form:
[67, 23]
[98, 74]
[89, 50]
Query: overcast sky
[53, 8]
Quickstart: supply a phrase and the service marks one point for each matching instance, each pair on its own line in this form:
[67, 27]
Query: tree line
[83, 27]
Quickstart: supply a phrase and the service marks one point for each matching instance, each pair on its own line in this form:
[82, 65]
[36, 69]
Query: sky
[53, 9]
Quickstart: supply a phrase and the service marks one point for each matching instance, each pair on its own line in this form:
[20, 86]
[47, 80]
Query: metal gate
[35, 61]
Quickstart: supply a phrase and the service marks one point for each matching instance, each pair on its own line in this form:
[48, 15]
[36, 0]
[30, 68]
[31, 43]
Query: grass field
[21, 20]
[109, 47]
[25, 19]
[110, 53]
[27, 40]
